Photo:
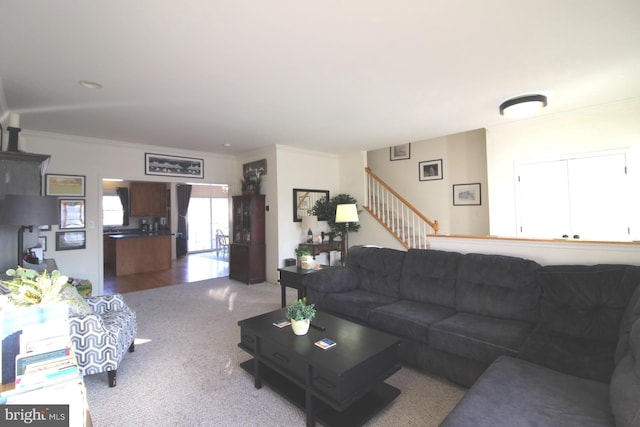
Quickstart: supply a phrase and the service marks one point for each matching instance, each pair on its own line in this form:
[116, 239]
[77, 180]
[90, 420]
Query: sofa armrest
[105, 303]
[332, 279]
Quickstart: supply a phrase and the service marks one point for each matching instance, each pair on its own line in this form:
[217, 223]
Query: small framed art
[160, 164]
[430, 170]
[467, 195]
[64, 185]
[71, 213]
[42, 242]
[400, 152]
[69, 240]
[253, 168]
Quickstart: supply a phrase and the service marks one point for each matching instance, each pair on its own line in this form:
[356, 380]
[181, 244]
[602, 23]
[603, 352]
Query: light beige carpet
[185, 370]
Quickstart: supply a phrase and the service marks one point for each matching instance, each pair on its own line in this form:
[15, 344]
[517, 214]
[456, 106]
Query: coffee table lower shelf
[357, 414]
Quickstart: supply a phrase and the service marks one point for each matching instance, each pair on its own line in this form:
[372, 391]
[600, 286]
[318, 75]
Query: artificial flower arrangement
[28, 287]
[251, 182]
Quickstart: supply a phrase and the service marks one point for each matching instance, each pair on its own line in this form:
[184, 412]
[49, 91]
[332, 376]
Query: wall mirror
[304, 200]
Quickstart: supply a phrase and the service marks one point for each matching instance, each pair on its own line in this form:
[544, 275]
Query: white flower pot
[307, 262]
[300, 327]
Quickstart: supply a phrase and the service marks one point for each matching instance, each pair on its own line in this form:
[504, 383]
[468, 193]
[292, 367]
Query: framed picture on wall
[304, 200]
[467, 195]
[71, 213]
[400, 152]
[69, 240]
[160, 164]
[42, 242]
[430, 170]
[64, 185]
[253, 168]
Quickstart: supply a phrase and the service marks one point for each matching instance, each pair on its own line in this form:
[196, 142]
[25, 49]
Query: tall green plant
[327, 209]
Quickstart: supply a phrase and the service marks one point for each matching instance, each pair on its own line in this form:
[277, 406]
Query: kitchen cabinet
[148, 199]
[247, 249]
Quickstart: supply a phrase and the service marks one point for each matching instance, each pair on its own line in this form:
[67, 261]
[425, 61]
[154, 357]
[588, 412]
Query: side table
[292, 277]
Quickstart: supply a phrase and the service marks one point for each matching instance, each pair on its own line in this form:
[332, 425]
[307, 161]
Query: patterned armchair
[102, 334]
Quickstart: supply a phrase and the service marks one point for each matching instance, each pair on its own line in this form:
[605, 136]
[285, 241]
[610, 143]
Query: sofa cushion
[572, 355]
[378, 269]
[498, 286]
[513, 392]
[625, 383]
[430, 276]
[580, 312]
[355, 304]
[584, 301]
[631, 313]
[478, 337]
[408, 319]
[331, 279]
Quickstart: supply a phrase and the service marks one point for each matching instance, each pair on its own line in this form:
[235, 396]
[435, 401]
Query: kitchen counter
[137, 234]
[137, 252]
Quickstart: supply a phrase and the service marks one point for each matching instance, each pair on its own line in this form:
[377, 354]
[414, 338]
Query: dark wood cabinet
[148, 199]
[247, 250]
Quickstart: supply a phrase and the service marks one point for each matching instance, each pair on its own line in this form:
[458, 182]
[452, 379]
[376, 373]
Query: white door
[599, 198]
[543, 203]
[580, 198]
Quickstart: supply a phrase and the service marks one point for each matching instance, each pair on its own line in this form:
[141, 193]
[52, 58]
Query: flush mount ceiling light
[523, 106]
[90, 85]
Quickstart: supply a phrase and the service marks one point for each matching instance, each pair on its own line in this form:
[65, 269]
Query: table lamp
[345, 214]
[309, 222]
[27, 211]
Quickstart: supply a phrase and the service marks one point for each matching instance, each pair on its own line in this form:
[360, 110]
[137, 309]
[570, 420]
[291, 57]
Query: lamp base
[21, 242]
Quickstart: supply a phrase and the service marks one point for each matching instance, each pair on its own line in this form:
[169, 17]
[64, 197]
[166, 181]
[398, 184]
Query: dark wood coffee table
[341, 386]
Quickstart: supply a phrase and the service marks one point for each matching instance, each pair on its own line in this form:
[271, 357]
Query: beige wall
[463, 162]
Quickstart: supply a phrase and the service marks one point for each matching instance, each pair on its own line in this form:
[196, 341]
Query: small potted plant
[300, 314]
[304, 257]
[251, 182]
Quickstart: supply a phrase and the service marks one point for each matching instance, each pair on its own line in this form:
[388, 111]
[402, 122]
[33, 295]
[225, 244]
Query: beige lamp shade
[309, 222]
[347, 213]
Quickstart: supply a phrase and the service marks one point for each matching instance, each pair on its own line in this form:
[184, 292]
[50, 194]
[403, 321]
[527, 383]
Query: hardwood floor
[190, 268]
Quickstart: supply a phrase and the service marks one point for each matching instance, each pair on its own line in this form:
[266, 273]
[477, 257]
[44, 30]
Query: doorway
[208, 219]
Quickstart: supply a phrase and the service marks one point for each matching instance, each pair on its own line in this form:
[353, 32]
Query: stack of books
[46, 371]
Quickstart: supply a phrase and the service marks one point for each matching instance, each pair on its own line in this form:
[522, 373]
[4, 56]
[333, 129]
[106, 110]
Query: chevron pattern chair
[101, 338]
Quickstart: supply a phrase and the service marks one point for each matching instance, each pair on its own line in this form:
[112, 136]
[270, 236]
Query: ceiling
[329, 75]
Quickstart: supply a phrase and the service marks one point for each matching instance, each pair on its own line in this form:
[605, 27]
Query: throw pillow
[77, 304]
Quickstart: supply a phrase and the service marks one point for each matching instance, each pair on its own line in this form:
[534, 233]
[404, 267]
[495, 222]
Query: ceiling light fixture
[523, 106]
[90, 85]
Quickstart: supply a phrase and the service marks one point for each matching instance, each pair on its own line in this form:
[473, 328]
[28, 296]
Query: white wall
[98, 159]
[595, 129]
[352, 182]
[298, 169]
[544, 252]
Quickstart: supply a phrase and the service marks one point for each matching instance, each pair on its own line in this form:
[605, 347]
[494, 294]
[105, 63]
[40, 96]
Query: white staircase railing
[397, 215]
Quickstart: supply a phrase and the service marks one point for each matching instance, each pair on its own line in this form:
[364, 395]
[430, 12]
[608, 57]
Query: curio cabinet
[247, 247]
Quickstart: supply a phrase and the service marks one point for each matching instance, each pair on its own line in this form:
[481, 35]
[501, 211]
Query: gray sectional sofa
[538, 345]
